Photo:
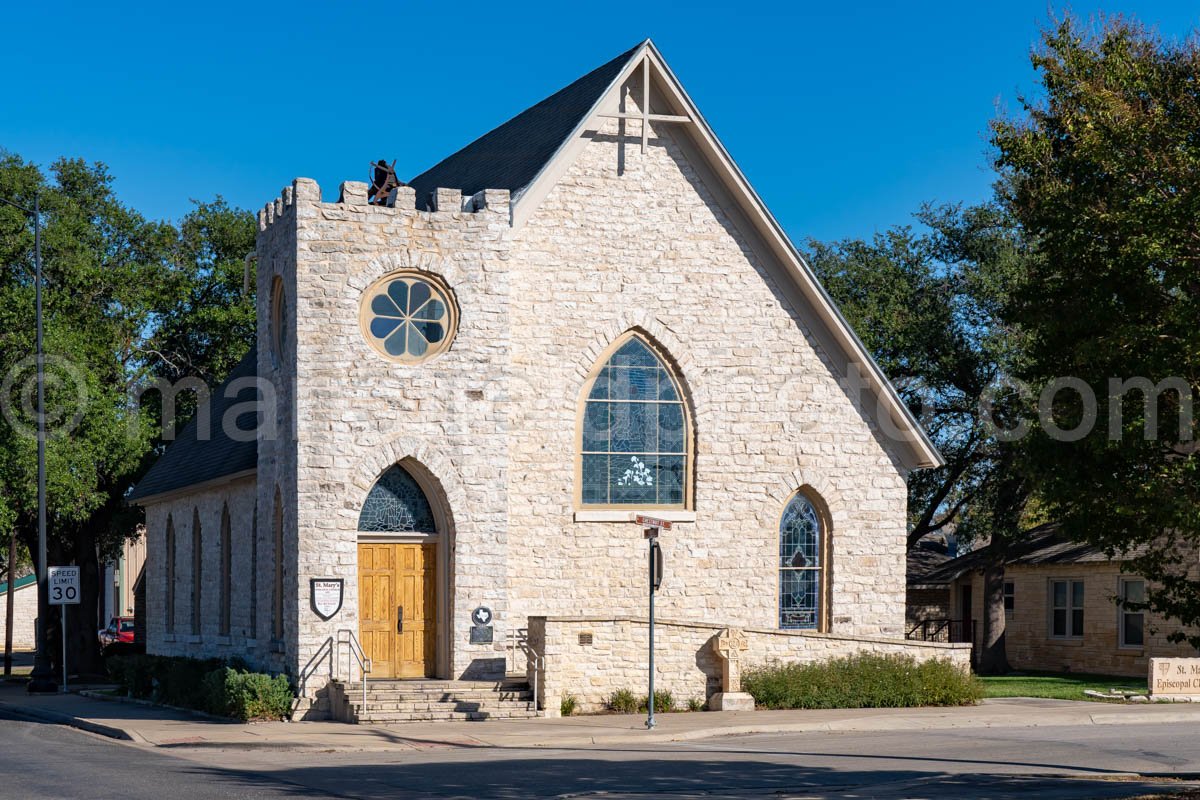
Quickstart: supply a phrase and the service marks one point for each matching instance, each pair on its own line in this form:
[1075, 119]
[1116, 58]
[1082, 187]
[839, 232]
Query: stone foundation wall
[685, 663]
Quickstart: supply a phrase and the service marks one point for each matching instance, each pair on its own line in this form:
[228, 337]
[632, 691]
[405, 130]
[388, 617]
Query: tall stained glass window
[634, 443]
[396, 504]
[801, 565]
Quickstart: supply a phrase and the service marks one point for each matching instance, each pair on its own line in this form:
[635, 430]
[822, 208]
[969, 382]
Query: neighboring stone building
[924, 601]
[1061, 610]
[468, 394]
[24, 612]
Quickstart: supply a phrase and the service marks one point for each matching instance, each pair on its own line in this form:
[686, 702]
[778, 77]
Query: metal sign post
[652, 527]
[64, 591]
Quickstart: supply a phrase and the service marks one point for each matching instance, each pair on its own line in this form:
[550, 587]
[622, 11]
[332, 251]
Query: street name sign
[653, 522]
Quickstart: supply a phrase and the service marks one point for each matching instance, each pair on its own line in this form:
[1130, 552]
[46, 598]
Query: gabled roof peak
[512, 155]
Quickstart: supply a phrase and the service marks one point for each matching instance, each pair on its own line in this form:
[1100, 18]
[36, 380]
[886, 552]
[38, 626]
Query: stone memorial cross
[730, 644]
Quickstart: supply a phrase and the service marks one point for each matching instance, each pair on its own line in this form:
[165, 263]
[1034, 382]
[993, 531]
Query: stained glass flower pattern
[634, 440]
[408, 319]
[800, 565]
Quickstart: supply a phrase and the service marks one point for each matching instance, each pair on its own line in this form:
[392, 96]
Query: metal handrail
[310, 667]
[520, 643]
[355, 650]
[539, 664]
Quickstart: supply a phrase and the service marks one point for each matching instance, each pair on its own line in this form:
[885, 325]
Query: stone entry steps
[391, 701]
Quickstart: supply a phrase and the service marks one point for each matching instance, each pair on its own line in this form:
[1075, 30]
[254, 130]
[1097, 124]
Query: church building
[464, 393]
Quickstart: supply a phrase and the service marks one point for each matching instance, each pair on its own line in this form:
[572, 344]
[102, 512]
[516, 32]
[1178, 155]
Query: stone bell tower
[384, 333]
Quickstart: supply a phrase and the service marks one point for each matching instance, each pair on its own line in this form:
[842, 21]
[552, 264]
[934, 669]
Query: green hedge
[862, 681]
[226, 688]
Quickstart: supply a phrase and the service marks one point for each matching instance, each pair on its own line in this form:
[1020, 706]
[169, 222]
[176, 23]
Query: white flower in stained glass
[638, 474]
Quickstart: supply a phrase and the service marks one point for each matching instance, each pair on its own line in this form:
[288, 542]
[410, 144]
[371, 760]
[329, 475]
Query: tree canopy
[125, 298]
[1102, 171]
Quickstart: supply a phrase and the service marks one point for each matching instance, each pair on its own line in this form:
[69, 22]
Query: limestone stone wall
[632, 241]
[1027, 631]
[350, 414]
[590, 658]
[242, 640]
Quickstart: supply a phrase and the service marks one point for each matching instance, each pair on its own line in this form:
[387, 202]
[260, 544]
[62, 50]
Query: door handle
[399, 619]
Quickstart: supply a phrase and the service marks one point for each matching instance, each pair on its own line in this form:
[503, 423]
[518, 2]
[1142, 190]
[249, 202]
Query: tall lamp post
[42, 677]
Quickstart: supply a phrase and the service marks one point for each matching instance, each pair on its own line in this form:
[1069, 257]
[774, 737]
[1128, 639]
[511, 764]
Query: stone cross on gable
[730, 644]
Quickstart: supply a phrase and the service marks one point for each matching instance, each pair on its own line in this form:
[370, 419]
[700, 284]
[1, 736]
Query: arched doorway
[400, 571]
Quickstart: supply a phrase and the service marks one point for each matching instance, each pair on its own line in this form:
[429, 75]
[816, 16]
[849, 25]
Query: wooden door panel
[394, 577]
[376, 574]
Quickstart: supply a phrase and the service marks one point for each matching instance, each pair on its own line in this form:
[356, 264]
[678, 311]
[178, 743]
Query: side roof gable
[191, 460]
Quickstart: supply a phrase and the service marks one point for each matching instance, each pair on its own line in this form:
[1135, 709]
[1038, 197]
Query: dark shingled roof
[925, 556]
[188, 460]
[511, 156]
[1043, 545]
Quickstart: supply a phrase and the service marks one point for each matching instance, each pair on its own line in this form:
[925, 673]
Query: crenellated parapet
[446, 204]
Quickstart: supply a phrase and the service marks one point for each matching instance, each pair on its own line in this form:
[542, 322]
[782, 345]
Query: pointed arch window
[277, 584]
[803, 563]
[226, 569]
[170, 587]
[635, 450]
[254, 574]
[197, 571]
[396, 504]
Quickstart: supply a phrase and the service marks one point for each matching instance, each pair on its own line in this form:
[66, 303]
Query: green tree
[927, 307]
[113, 283]
[1102, 170]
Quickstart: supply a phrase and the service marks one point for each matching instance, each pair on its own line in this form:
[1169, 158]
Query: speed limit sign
[64, 586]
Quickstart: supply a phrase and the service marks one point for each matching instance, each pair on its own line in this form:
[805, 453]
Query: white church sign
[1178, 677]
[327, 596]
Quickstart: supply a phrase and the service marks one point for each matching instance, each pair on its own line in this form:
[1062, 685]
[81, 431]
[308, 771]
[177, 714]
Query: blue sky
[845, 116]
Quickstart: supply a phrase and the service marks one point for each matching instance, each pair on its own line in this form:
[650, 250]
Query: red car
[119, 630]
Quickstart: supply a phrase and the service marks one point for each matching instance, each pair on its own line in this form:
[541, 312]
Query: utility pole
[8, 613]
[42, 677]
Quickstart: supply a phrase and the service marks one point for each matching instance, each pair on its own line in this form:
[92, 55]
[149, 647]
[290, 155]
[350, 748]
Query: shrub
[228, 690]
[568, 705]
[623, 701]
[663, 702]
[255, 695]
[862, 681]
[695, 704]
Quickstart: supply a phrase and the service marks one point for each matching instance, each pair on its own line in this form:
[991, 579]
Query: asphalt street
[45, 761]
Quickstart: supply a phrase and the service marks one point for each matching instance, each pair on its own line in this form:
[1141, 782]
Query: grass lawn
[1055, 685]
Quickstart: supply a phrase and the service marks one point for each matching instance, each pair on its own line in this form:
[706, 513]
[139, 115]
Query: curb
[55, 718]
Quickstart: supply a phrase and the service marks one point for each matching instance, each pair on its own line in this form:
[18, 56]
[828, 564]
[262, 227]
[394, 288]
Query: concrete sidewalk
[160, 727]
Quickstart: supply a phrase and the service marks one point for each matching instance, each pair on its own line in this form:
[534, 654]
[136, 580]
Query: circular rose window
[408, 317]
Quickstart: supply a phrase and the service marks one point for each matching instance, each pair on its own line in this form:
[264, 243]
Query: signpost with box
[651, 526]
[64, 591]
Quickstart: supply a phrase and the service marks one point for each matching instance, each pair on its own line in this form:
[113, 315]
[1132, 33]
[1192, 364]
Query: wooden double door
[397, 608]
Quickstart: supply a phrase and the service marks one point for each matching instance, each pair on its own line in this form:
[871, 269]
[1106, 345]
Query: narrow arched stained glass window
[634, 442]
[396, 504]
[408, 317]
[800, 565]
